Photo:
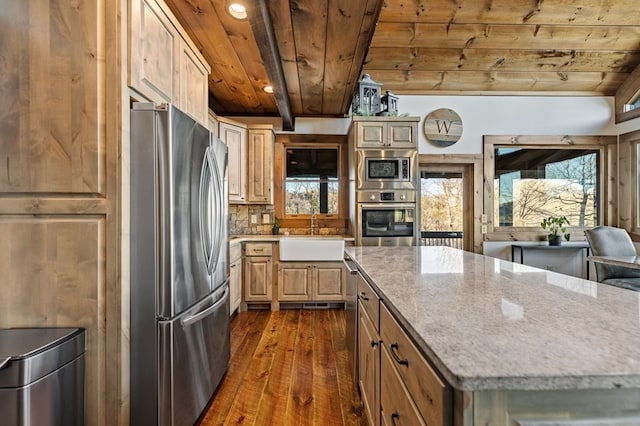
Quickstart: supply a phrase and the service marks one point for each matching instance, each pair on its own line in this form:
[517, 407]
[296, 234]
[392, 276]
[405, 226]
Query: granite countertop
[487, 323]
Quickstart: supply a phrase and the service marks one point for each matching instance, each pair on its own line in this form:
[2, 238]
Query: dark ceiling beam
[265, 38]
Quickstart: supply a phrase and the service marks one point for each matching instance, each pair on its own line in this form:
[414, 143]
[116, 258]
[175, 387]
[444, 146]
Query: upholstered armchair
[610, 241]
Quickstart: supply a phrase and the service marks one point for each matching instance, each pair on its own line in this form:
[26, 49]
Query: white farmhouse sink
[311, 249]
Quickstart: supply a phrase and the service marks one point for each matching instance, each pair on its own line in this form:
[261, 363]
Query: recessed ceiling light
[268, 89]
[237, 10]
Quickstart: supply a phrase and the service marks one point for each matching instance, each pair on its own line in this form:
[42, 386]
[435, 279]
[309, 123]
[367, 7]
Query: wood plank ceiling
[314, 51]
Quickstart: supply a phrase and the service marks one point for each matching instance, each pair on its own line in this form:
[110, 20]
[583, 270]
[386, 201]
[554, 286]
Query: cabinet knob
[374, 343]
[372, 197]
[363, 296]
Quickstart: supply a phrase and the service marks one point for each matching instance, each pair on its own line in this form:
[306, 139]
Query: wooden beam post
[265, 38]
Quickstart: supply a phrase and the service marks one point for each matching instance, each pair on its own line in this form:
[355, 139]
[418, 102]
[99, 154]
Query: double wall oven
[386, 197]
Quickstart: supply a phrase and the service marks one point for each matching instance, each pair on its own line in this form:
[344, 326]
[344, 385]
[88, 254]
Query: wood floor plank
[327, 409]
[299, 407]
[352, 409]
[238, 367]
[244, 409]
[287, 368]
[273, 405]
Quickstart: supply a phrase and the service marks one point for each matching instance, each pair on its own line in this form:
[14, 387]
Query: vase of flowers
[275, 229]
[557, 228]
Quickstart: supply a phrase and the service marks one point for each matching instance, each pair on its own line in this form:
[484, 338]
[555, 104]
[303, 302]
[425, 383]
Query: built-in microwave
[386, 169]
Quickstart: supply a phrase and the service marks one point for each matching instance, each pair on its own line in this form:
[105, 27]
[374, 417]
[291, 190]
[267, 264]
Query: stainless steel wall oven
[388, 218]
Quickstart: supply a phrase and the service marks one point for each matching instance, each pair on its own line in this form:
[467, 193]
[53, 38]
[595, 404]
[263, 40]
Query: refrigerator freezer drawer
[194, 354]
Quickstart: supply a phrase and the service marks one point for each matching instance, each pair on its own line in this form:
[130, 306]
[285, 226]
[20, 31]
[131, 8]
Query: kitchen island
[517, 345]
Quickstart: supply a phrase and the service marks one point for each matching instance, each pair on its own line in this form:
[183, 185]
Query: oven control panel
[395, 196]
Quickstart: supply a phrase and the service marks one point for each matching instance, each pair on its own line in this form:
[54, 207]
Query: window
[311, 180]
[633, 103]
[533, 183]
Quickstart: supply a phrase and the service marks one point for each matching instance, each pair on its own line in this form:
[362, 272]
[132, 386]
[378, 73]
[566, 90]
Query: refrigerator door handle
[205, 192]
[210, 310]
[218, 213]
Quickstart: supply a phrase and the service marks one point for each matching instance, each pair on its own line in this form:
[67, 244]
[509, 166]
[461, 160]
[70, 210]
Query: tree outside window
[531, 184]
[311, 183]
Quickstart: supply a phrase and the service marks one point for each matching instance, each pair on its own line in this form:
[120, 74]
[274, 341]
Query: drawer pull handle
[363, 296]
[393, 347]
[394, 416]
[374, 343]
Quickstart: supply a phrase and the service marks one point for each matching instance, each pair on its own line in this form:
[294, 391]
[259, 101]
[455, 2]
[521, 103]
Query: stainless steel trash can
[42, 376]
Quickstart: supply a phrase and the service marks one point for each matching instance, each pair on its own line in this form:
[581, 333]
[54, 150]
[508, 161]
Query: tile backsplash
[240, 222]
[240, 219]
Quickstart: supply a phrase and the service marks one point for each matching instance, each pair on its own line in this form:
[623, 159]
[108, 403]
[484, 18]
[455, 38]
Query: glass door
[442, 206]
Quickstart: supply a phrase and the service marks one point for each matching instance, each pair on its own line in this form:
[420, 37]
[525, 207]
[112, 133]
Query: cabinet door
[235, 285]
[402, 134]
[329, 280]
[260, 166]
[194, 90]
[235, 139]
[154, 42]
[294, 281]
[370, 134]
[396, 405]
[257, 279]
[369, 366]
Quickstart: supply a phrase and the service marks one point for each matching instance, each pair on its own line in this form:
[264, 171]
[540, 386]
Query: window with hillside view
[531, 184]
[311, 183]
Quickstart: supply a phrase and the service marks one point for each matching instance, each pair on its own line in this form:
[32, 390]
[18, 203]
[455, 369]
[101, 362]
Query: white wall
[513, 115]
[488, 115]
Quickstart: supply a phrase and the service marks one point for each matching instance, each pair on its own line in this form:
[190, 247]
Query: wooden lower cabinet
[235, 277]
[258, 276]
[397, 384]
[294, 281]
[304, 281]
[369, 366]
[431, 395]
[257, 279]
[396, 405]
[329, 281]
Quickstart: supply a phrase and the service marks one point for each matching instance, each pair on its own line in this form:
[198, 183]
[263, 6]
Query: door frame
[471, 167]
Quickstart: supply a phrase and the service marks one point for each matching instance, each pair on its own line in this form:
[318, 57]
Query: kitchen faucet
[313, 222]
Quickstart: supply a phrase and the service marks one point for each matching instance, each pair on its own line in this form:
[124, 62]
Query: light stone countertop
[487, 323]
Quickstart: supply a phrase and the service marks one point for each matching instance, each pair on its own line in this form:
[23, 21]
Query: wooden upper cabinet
[154, 42]
[194, 89]
[235, 137]
[250, 172]
[164, 65]
[385, 132]
[52, 131]
[260, 165]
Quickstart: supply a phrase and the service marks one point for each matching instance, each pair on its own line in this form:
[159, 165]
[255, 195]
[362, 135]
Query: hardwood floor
[289, 367]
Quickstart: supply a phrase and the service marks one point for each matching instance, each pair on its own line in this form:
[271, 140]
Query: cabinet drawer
[397, 407]
[258, 249]
[431, 395]
[369, 300]
[235, 252]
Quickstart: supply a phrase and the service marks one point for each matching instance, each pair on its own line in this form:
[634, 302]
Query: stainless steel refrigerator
[179, 293]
